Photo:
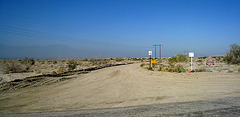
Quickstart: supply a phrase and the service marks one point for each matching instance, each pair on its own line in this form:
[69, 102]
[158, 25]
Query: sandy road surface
[120, 86]
[224, 107]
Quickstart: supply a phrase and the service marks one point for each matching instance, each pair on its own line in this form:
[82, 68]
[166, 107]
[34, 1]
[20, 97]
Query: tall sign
[191, 54]
[150, 54]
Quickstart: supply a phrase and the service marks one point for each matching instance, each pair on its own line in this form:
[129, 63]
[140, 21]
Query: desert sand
[120, 86]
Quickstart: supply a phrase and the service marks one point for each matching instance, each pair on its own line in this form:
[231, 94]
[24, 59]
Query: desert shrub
[92, 60]
[233, 56]
[53, 72]
[42, 62]
[38, 71]
[218, 58]
[85, 59]
[119, 59]
[179, 69]
[12, 67]
[150, 68]
[178, 58]
[160, 68]
[142, 65]
[54, 62]
[200, 60]
[61, 70]
[28, 62]
[79, 63]
[171, 68]
[230, 71]
[71, 65]
[238, 69]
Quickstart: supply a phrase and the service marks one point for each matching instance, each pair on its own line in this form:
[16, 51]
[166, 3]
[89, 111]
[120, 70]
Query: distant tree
[233, 55]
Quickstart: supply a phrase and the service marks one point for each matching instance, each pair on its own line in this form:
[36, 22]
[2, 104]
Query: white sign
[150, 52]
[191, 54]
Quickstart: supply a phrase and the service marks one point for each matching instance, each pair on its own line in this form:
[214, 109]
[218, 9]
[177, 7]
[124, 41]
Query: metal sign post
[191, 54]
[150, 53]
[210, 62]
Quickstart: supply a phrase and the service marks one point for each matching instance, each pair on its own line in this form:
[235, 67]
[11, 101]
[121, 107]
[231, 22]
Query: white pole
[191, 65]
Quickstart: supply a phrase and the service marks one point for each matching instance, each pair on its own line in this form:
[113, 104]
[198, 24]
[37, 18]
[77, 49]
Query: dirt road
[224, 107]
[121, 86]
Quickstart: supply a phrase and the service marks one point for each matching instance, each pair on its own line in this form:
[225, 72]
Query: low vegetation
[12, 67]
[233, 55]
[71, 64]
[61, 70]
[178, 58]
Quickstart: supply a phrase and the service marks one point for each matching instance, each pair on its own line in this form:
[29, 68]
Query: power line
[32, 33]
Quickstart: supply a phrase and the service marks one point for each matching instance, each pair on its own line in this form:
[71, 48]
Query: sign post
[210, 62]
[150, 53]
[191, 54]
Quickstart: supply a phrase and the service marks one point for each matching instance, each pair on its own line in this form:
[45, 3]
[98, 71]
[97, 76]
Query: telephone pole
[155, 50]
[160, 49]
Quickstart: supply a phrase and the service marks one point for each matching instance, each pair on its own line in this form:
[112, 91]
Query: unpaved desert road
[120, 86]
[225, 107]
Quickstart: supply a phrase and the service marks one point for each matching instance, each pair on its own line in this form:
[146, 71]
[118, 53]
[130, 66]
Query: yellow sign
[154, 61]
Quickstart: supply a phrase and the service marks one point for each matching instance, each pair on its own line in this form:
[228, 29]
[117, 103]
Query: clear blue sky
[117, 28]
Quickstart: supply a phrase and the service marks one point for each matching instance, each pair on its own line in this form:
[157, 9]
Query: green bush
[71, 65]
[119, 59]
[27, 60]
[92, 60]
[53, 72]
[150, 68]
[61, 70]
[233, 56]
[55, 62]
[142, 65]
[160, 68]
[178, 58]
[179, 69]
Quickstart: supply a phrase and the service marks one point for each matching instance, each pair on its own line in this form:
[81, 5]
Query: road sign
[150, 52]
[154, 61]
[191, 54]
[210, 61]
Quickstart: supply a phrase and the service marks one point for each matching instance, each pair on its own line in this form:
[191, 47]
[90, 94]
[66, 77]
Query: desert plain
[128, 84]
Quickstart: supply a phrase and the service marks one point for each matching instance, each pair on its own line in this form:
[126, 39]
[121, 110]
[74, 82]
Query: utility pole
[155, 50]
[160, 47]
[160, 51]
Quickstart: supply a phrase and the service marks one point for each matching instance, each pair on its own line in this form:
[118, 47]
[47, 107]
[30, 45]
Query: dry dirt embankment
[120, 86]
